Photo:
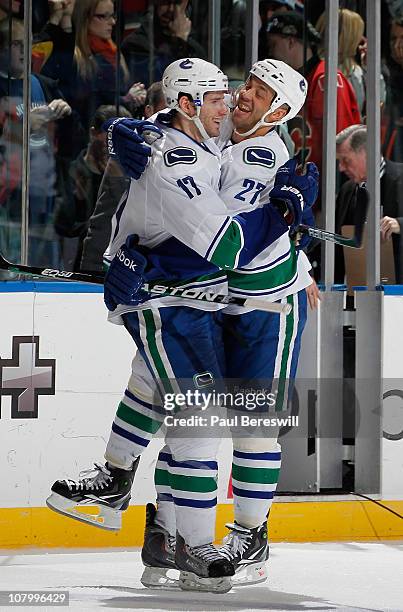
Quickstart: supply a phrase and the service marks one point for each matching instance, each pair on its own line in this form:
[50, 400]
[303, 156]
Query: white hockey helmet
[289, 85]
[195, 77]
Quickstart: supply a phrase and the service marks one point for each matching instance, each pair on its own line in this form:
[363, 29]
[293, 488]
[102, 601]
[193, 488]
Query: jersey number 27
[252, 188]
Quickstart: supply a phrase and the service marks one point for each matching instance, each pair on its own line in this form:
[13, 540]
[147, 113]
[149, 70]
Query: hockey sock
[135, 424]
[254, 482]
[194, 490]
[165, 504]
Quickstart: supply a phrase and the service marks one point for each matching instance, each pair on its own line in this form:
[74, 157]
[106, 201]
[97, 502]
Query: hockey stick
[158, 290]
[360, 216]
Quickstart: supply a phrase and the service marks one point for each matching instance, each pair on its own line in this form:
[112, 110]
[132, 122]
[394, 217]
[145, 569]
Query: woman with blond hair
[96, 62]
[351, 36]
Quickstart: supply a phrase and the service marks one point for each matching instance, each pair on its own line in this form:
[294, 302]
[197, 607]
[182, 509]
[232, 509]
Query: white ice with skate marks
[328, 576]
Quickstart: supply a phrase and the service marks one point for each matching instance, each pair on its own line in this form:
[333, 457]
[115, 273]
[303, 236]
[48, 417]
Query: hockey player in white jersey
[271, 344]
[248, 171]
[223, 240]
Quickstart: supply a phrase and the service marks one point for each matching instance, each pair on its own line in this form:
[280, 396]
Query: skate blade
[160, 578]
[250, 574]
[106, 518]
[188, 581]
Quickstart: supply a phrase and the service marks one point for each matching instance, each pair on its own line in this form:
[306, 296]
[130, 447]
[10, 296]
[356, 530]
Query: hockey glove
[293, 193]
[304, 240]
[126, 139]
[125, 277]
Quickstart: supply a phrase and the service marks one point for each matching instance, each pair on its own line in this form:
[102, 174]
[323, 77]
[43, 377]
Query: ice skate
[106, 487]
[248, 550]
[158, 555]
[202, 568]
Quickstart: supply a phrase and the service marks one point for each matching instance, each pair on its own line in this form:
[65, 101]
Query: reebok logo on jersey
[180, 155]
[259, 156]
[129, 263]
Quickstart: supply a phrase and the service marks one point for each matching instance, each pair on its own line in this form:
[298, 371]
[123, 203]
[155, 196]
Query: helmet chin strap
[262, 123]
[197, 121]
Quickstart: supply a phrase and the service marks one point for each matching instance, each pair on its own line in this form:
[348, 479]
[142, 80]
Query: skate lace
[93, 479]
[236, 542]
[171, 541]
[206, 552]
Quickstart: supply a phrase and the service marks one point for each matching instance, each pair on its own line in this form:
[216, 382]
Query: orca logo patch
[180, 155]
[260, 156]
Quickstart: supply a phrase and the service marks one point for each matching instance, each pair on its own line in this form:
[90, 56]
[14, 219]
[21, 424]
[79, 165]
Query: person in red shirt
[285, 34]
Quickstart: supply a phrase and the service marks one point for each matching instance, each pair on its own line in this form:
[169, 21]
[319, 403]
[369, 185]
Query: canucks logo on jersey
[180, 155]
[261, 156]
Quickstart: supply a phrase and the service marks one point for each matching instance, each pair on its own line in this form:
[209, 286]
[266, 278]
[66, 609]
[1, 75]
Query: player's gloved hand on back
[127, 140]
[293, 193]
[125, 277]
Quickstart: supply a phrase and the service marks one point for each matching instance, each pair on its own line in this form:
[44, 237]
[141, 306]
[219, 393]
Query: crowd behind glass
[94, 59]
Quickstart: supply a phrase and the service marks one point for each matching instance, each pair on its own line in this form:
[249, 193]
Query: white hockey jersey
[159, 207]
[175, 210]
[248, 170]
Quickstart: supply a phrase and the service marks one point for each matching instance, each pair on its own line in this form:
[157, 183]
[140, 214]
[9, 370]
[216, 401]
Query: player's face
[352, 163]
[254, 100]
[213, 111]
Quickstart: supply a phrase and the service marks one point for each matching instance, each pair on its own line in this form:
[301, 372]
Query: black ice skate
[202, 568]
[158, 555]
[104, 486]
[248, 551]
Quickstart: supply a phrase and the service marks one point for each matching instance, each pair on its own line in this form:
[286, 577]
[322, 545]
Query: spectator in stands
[155, 100]
[50, 116]
[285, 39]
[266, 10]
[86, 174]
[351, 150]
[8, 7]
[395, 91]
[96, 63]
[53, 46]
[171, 39]
[351, 33]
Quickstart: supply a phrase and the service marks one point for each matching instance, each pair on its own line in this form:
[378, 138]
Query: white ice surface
[339, 576]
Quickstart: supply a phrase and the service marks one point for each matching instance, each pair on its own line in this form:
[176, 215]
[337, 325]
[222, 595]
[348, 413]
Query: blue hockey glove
[126, 139]
[293, 193]
[125, 278]
[307, 219]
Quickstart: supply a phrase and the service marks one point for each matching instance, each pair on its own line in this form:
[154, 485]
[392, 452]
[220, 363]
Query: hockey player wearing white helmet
[269, 353]
[279, 90]
[205, 86]
[188, 234]
[271, 350]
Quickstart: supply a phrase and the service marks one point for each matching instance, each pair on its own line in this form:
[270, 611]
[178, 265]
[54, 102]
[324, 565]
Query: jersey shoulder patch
[260, 156]
[180, 155]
